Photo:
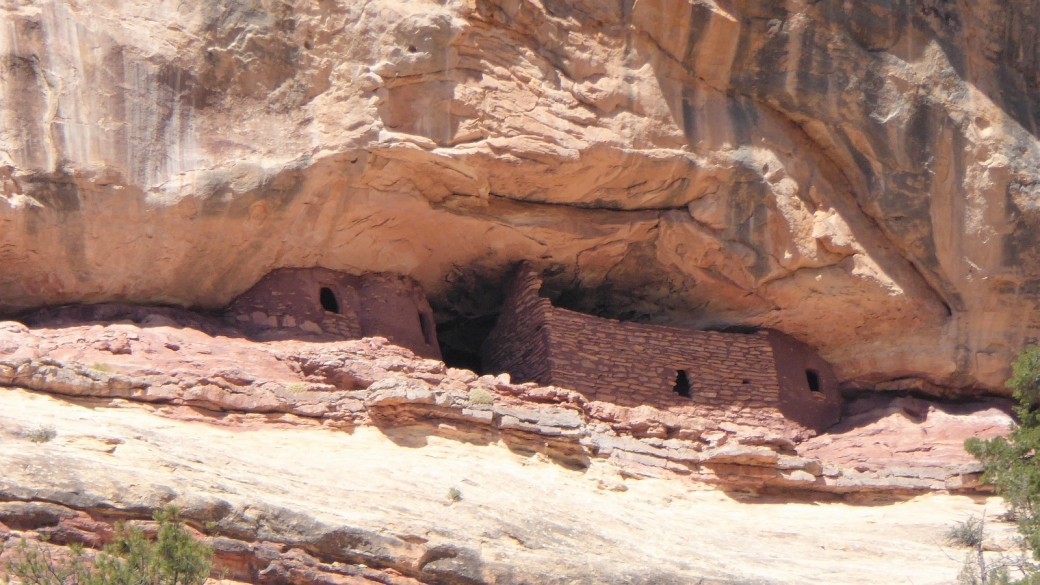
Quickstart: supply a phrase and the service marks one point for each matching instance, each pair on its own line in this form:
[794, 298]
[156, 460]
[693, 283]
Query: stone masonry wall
[396, 308]
[633, 363]
[729, 376]
[519, 342]
[793, 359]
[287, 302]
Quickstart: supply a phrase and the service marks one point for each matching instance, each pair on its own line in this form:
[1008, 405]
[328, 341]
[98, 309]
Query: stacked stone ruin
[326, 303]
[760, 379]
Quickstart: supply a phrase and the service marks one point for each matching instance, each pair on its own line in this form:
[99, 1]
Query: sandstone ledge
[187, 373]
[305, 462]
[303, 503]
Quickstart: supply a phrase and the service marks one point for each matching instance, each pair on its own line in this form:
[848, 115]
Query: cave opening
[467, 312]
[813, 378]
[460, 341]
[328, 300]
[682, 384]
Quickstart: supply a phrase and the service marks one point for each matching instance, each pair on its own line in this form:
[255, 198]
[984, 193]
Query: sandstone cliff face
[862, 175]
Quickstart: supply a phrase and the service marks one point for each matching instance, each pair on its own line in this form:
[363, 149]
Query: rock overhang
[666, 174]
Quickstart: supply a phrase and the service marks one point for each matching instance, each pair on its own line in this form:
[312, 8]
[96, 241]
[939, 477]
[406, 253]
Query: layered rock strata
[860, 175]
[185, 372]
[298, 503]
[344, 462]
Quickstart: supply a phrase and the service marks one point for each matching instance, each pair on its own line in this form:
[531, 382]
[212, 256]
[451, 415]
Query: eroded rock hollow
[860, 175]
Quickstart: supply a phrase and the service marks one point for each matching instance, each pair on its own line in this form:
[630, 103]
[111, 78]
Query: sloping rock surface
[305, 504]
[309, 462]
[906, 441]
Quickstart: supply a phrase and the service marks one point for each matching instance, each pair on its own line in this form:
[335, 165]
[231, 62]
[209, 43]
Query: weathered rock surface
[905, 441]
[306, 504]
[188, 373]
[862, 175]
[311, 462]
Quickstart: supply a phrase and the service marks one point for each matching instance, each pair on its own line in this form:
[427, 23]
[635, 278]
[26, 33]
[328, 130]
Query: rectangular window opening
[813, 378]
[682, 384]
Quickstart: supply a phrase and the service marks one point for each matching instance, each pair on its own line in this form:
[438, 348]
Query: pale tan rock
[316, 503]
[251, 436]
[830, 170]
[351, 384]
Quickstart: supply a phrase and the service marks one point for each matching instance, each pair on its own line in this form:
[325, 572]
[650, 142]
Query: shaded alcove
[427, 328]
[461, 338]
[467, 312]
[470, 309]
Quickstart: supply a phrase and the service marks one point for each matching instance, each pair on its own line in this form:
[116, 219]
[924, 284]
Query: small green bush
[296, 388]
[1009, 462]
[480, 397]
[175, 558]
[42, 434]
[101, 367]
[42, 566]
[967, 533]
[454, 495]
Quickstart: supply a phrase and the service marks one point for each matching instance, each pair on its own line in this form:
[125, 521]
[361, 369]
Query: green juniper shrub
[1009, 462]
[967, 533]
[175, 558]
[40, 565]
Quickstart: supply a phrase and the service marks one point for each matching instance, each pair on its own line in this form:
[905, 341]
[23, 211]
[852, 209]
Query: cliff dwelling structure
[319, 301]
[764, 379]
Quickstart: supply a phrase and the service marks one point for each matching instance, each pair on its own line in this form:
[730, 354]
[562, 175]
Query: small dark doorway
[813, 378]
[328, 300]
[427, 331]
[682, 384]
